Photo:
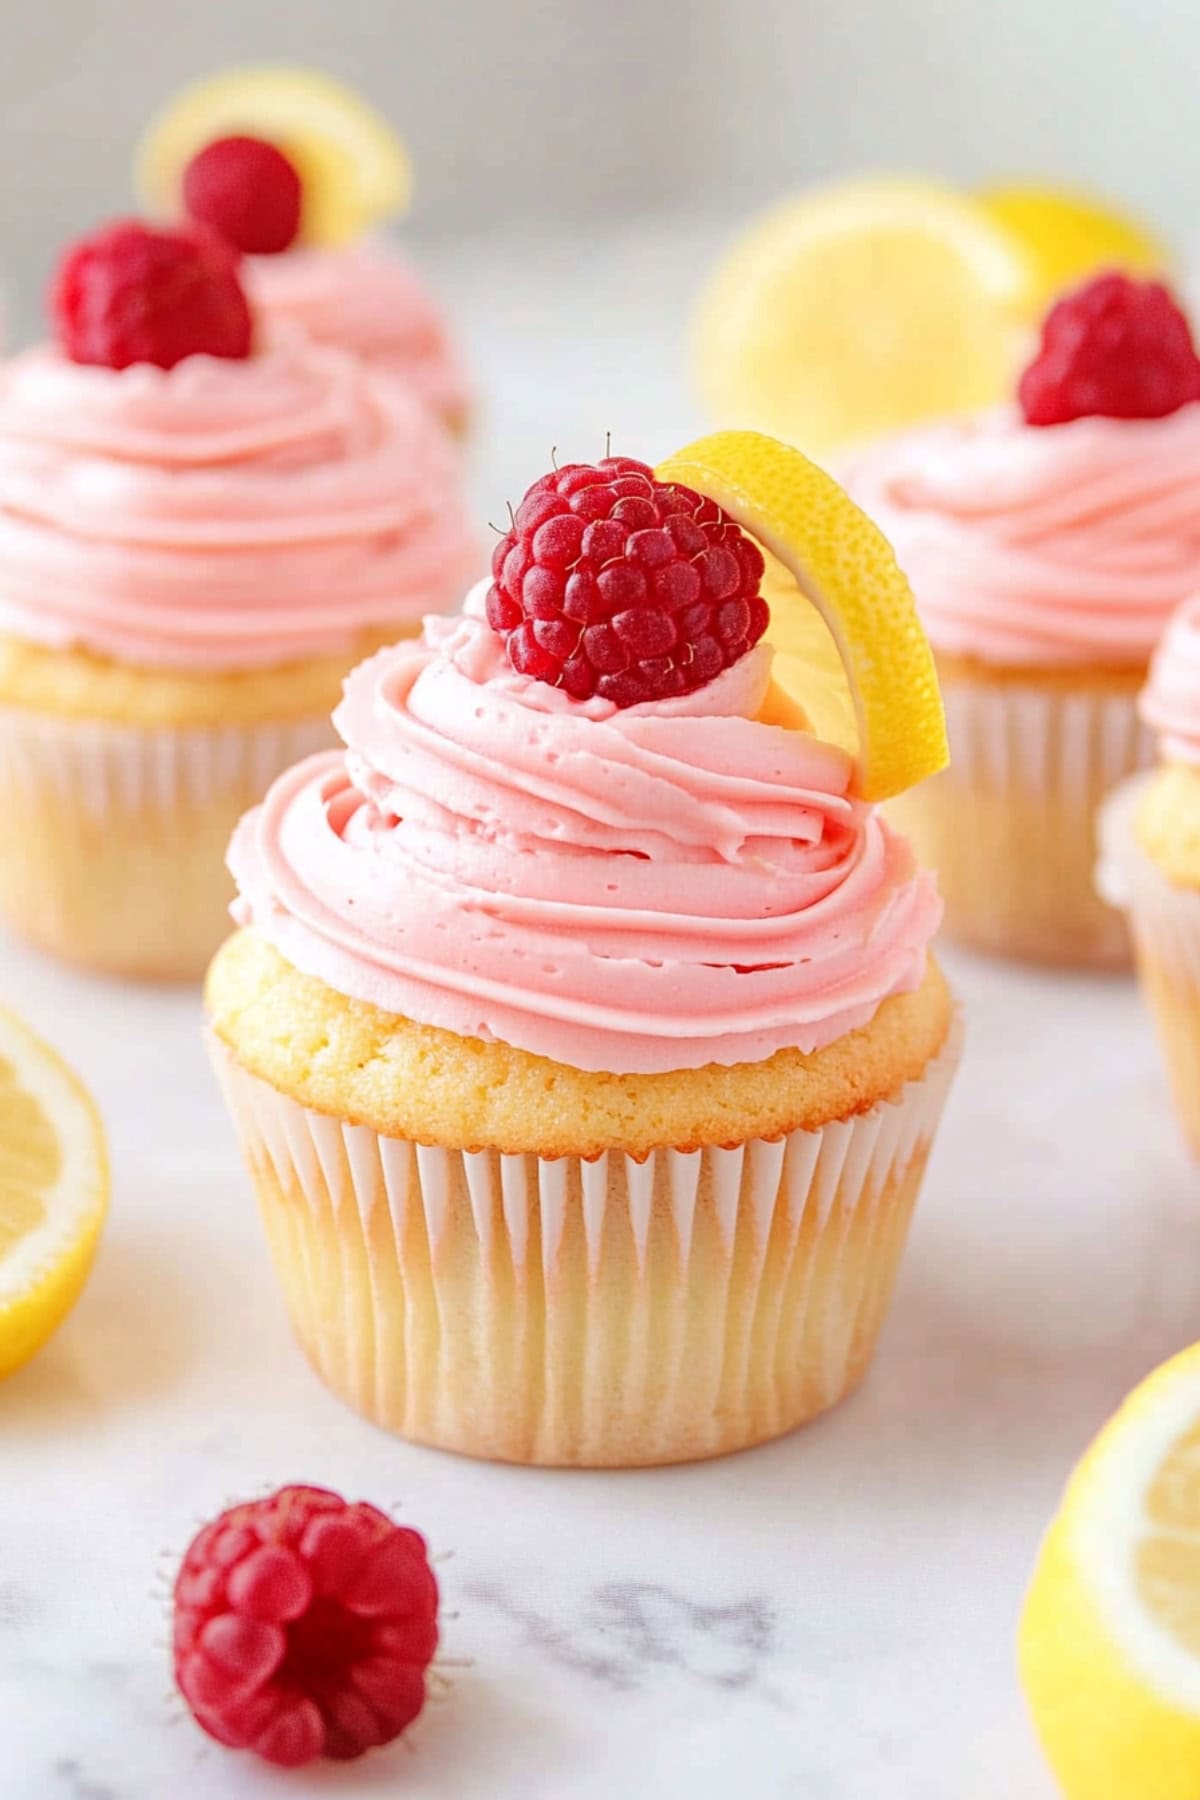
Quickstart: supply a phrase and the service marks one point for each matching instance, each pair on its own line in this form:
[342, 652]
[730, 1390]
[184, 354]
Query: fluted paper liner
[606, 1312]
[113, 837]
[1165, 922]
[1010, 826]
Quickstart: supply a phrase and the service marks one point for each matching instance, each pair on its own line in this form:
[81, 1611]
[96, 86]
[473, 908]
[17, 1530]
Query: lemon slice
[1110, 1638]
[354, 170]
[849, 648]
[858, 308]
[1068, 236]
[53, 1191]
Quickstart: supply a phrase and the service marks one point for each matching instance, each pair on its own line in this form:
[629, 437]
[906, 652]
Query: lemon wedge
[857, 308]
[354, 170]
[1110, 1637]
[53, 1191]
[850, 652]
[1067, 236]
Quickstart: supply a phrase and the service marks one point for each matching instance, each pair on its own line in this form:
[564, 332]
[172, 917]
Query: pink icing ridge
[368, 299]
[1170, 701]
[222, 514]
[1060, 546]
[635, 891]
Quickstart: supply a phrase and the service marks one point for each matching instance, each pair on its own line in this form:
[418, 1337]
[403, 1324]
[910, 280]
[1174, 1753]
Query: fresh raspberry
[304, 1626]
[246, 190]
[1118, 348]
[616, 584]
[133, 294]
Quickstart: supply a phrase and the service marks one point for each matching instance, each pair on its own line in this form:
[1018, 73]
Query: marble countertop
[827, 1618]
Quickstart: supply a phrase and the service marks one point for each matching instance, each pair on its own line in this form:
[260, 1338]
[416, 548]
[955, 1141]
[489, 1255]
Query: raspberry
[304, 1626]
[246, 190]
[613, 583]
[132, 294]
[1118, 348]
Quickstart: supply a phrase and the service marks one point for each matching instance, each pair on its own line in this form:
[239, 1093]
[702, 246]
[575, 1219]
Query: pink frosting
[223, 514]
[1170, 702]
[649, 889]
[371, 300]
[1058, 546]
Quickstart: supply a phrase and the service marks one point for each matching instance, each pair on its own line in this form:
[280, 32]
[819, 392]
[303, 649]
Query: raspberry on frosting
[248, 191]
[614, 584]
[1116, 348]
[304, 1627]
[133, 293]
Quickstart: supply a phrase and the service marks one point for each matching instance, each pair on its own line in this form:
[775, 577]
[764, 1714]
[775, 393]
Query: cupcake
[1150, 859]
[297, 173]
[1047, 545]
[198, 538]
[581, 1029]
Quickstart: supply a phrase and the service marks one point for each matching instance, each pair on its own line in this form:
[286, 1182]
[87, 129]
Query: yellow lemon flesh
[1068, 236]
[858, 308]
[1110, 1637]
[850, 653]
[354, 170]
[53, 1191]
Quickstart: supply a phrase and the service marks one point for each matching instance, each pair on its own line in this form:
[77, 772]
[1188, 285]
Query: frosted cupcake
[297, 172]
[1150, 862]
[198, 538]
[1047, 546]
[582, 1032]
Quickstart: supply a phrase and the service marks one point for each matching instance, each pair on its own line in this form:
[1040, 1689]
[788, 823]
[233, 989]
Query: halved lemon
[849, 648]
[857, 308]
[1110, 1638]
[354, 169]
[53, 1190]
[1068, 235]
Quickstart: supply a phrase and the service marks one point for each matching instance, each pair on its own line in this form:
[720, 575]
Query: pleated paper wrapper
[610, 1312]
[1165, 923]
[1010, 826]
[113, 837]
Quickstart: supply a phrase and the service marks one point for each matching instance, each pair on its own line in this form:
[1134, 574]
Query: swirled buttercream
[1170, 701]
[368, 299]
[222, 514]
[1064, 546]
[656, 888]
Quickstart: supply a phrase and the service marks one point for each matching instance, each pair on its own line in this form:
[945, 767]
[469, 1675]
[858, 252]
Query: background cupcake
[1047, 547]
[1150, 861]
[198, 537]
[296, 172]
[583, 1037]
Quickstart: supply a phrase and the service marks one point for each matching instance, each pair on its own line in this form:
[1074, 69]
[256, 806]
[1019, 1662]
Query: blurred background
[578, 167]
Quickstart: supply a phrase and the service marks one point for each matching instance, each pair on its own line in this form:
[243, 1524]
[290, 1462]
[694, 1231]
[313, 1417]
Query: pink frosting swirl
[632, 891]
[368, 299]
[221, 514]
[1170, 701]
[1063, 546]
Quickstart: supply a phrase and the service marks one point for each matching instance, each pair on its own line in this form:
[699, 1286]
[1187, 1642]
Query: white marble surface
[829, 1618]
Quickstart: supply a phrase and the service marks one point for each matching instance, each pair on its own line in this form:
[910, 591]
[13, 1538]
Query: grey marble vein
[628, 1629]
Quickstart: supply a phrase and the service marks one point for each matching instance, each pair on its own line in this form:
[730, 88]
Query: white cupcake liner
[1010, 826]
[1165, 918]
[613, 1311]
[1054, 743]
[114, 769]
[113, 837]
[1165, 924]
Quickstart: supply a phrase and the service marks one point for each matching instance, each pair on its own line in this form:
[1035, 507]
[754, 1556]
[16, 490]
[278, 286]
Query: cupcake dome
[581, 1025]
[1047, 549]
[194, 549]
